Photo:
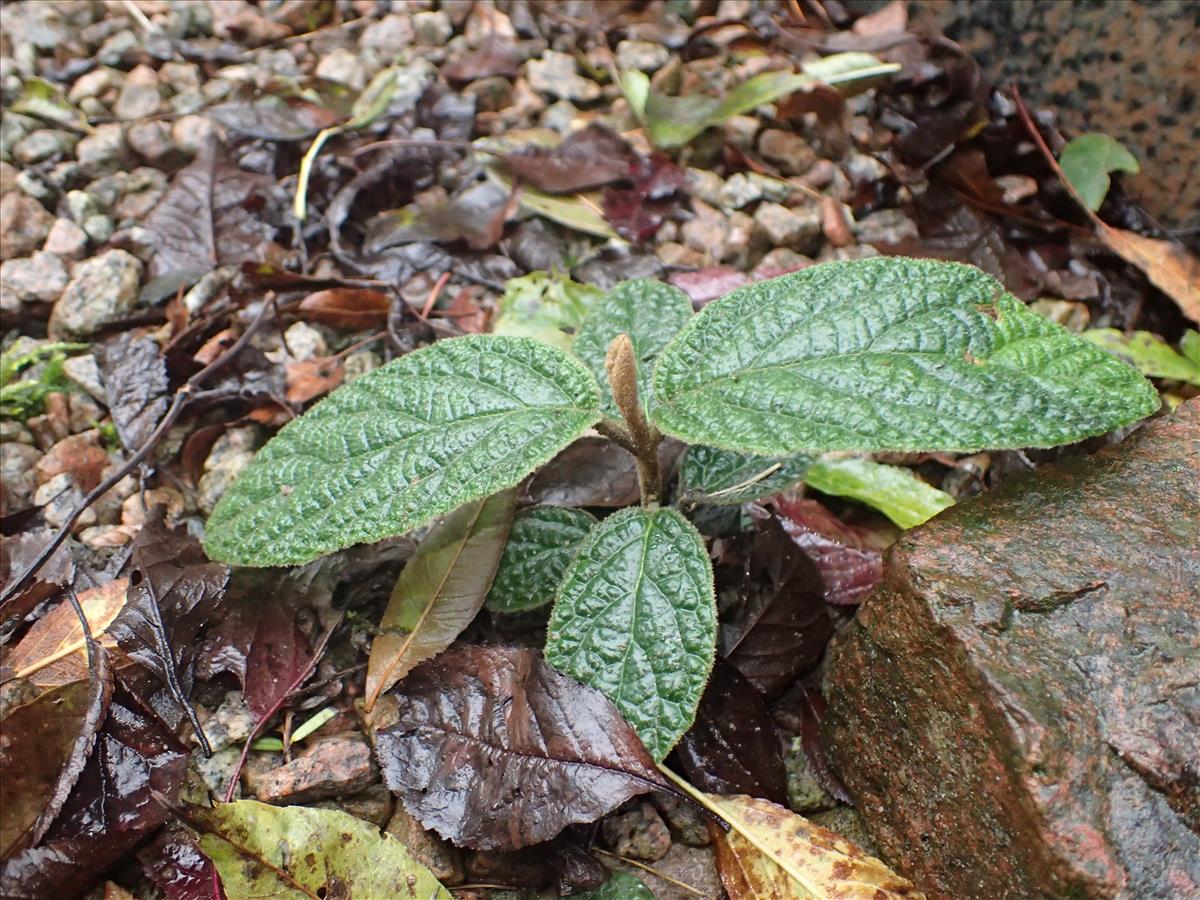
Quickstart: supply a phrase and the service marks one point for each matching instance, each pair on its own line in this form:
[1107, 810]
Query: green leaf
[440, 590]
[541, 545]
[1087, 162]
[727, 477]
[636, 618]
[404, 443]
[48, 101]
[620, 886]
[887, 354]
[1151, 354]
[650, 312]
[373, 101]
[893, 490]
[295, 851]
[547, 306]
[674, 121]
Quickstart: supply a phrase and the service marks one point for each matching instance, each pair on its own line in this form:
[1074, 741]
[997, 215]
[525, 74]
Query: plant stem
[643, 437]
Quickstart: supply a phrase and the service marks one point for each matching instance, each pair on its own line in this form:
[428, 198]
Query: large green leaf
[541, 545]
[893, 490]
[440, 590]
[294, 851]
[1087, 162]
[636, 618]
[887, 354]
[650, 312]
[404, 443]
[727, 477]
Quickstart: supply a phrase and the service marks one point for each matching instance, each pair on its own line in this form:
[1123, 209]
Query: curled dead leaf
[1169, 267]
[53, 653]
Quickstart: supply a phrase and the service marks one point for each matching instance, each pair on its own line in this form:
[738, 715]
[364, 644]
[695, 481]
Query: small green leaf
[893, 490]
[547, 306]
[48, 101]
[373, 101]
[440, 590]
[887, 354]
[727, 477]
[1151, 354]
[541, 544]
[620, 886]
[404, 443]
[674, 121]
[650, 312]
[1087, 162]
[299, 852]
[636, 618]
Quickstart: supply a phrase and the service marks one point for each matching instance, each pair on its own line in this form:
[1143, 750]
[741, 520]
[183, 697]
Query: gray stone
[230, 454]
[390, 35]
[1015, 708]
[13, 432]
[374, 805]
[804, 792]
[24, 224]
[41, 276]
[66, 239]
[360, 362]
[39, 146]
[560, 117]
[230, 723]
[706, 185]
[797, 229]
[343, 66]
[556, 74]
[687, 825]
[440, 857]
[191, 133]
[789, 151]
[179, 77]
[99, 227]
[151, 140]
[644, 56]
[96, 83]
[58, 498]
[81, 204]
[865, 169]
[16, 473]
[103, 150]
[101, 290]
[707, 231]
[887, 226]
[140, 95]
[740, 130]
[743, 188]
[432, 27]
[121, 45]
[638, 833]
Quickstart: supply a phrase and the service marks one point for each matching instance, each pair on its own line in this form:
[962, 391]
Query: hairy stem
[643, 437]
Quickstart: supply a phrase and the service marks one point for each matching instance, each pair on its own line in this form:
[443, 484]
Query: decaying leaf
[773, 854]
[1169, 267]
[495, 750]
[136, 384]
[850, 563]
[441, 589]
[297, 852]
[53, 651]
[180, 869]
[588, 158]
[356, 309]
[1151, 354]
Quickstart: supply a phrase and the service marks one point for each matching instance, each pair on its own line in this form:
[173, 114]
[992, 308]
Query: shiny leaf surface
[403, 444]
[893, 490]
[727, 477]
[541, 544]
[636, 618]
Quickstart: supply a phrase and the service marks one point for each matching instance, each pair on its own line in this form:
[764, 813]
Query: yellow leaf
[1169, 267]
[53, 653]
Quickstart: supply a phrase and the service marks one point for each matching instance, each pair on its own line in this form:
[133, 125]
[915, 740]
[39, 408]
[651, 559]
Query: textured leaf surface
[265, 851]
[773, 854]
[893, 490]
[493, 749]
[887, 354]
[541, 545]
[650, 312]
[636, 618]
[712, 475]
[1087, 162]
[440, 590]
[402, 444]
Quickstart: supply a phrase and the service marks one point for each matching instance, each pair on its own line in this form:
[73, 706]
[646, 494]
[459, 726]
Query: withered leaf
[203, 221]
[53, 651]
[441, 590]
[732, 747]
[136, 385]
[1169, 267]
[780, 627]
[850, 566]
[588, 158]
[637, 212]
[48, 733]
[311, 378]
[497, 55]
[278, 656]
[494, 749]
[136, 765]
[341, 307]
[274, 118]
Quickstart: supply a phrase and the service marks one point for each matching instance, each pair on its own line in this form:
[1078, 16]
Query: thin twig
[433, 295]
[645, 868]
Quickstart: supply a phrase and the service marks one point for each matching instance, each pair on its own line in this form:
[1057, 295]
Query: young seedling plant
[884, 354]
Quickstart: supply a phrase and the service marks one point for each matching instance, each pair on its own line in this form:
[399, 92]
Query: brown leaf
[849, 565]
[441, 590]
[356, 309]
[136, 384]
[593, 471]
[496, 56]
[311, 378]
[773, 854]
[1169, 267]
[588, 158]
[53, 652]
[496, 750]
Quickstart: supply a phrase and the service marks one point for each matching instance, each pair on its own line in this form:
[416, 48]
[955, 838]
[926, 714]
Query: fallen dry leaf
[53, 652]
[1169, 267]
[312, 378]
[353, 308]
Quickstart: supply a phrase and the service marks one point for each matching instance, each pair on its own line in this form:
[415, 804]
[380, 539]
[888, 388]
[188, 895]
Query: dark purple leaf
[135, 767]
[279, 654]
[136, 383]
[180, 869]
[733, 747]
[204, 220]
[535, 248]
[637, 212]
[494, 749]
[779, 628]
[588, 158]
[801, 710]
[849, 566]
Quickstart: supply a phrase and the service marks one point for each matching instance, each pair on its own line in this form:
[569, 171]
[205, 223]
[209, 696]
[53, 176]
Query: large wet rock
[1017, 707]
